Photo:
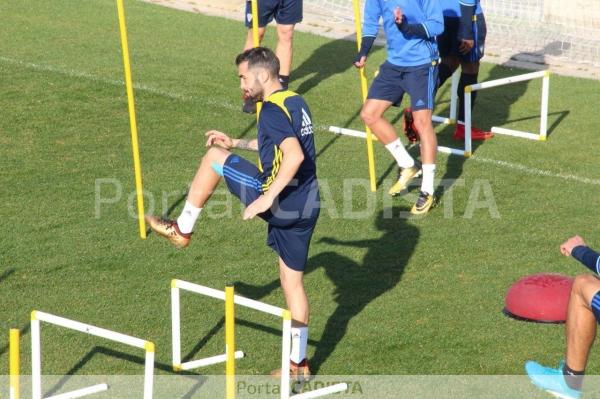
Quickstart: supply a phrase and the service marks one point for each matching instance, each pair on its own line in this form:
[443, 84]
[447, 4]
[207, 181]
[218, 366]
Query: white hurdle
[36, 355]
[285, 315]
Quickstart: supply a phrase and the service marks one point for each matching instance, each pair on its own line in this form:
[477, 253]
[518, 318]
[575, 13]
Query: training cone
[541, 298]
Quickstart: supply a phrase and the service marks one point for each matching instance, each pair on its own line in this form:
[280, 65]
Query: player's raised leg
[179, 231]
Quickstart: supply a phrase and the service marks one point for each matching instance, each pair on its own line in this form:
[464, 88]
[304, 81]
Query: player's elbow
[435, 29]
[299, 158]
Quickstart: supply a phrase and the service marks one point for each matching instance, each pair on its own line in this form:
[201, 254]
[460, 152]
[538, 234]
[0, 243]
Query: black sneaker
[424, 203]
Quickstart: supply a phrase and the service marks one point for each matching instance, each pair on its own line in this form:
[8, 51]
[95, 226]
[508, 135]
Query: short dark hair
[261, 57]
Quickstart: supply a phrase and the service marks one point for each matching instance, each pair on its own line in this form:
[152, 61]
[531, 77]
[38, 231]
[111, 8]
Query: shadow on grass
[104, 351]
[6, 274]
[204, 340]
[332, 58]
[357, 284]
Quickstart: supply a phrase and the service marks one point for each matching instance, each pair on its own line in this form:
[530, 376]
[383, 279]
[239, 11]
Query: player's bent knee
[583, 281]
[368, 116]
[216, 154]
[422, 121]
[586, 287]
[285, 32]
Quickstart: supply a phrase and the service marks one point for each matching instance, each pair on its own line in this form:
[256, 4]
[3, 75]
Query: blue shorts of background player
[293, 220]
[448, 42]
[285, 12]
[418, 82]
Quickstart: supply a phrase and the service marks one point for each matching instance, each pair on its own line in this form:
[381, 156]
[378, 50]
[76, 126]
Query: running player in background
[411, 27]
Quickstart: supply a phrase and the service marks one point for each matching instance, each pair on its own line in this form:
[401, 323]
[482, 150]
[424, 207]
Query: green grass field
[389, 295]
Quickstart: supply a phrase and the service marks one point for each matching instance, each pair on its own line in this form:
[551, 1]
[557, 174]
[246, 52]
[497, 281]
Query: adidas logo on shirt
[307, 127]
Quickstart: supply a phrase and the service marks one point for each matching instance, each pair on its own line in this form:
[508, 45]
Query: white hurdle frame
[541, 136]
[284, 314]
[36, 354]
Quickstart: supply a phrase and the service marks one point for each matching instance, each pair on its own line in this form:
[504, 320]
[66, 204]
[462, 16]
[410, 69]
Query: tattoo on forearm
[244, 145]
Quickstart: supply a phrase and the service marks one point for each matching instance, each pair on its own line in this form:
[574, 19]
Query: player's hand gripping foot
[424, 203]
[169, 230]
[405, 175]
[298, 371]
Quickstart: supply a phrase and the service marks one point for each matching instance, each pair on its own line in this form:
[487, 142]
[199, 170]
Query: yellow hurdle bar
[14, 367]
[229, 342]
[363, 89]
[132, 120]
[256, 39]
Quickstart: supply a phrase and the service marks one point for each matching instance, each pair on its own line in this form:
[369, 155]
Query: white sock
[299, 343]
[428, 175]
[188, 218]
[402, 157]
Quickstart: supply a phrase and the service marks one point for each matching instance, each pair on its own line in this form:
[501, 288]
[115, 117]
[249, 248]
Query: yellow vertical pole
[14, 363]
[363, 89]
[256, 39]
[132, 120]
[229, 343]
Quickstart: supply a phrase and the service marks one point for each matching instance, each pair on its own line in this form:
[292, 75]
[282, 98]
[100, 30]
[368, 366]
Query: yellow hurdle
[132, 120]
[363, 89]
[229, 342]
[14, 366]
[256, 39]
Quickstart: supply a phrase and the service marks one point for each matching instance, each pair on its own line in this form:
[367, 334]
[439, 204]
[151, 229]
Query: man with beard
[282, 190]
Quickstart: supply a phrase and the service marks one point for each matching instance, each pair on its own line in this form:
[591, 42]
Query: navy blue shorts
[448, 42]
[285, 12]
[393, 81]
[595, 305]
[291, 222]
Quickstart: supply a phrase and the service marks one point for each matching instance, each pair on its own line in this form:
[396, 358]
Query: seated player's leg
[421, 85]
[288, 14]
[179, 232]
[583, 316]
